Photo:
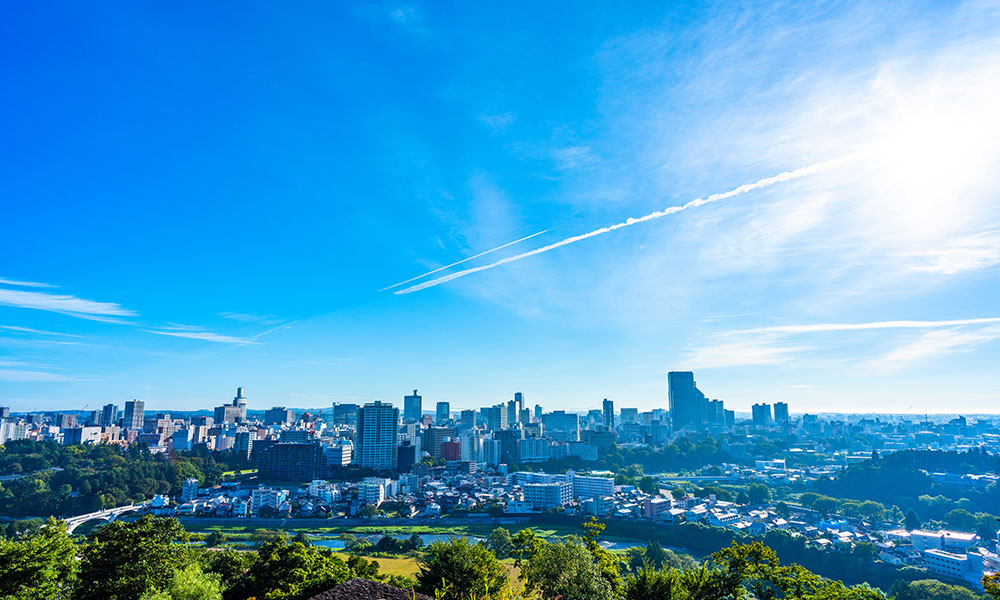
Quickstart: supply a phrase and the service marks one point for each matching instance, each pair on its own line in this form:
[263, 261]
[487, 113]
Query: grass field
[322, 530]
[408, 566]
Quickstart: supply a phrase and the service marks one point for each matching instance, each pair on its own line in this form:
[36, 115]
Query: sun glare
[934, 152]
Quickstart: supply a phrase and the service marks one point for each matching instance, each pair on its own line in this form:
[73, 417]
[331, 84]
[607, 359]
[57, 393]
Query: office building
[292, 462]
[4, 412]
[562, 425]
[378, 435]
[538, 412]
[496, 417]
[434, 437]
[413, 408]
[340, 454]
[279, 415]
[442, 413]
[81, 435]
[761, 414]
[629, 415]
[234, 412]
[780, 412]
[243, 443]
[109, 415]
[468, 420]
[609, 414]
[135, 415]
[346, 414]
[688, 405]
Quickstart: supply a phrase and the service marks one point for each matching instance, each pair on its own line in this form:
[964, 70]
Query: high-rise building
[609, 414]
[135, 414]
[279, 415]
[629, 415]
[109, 415]
[761, 414]
[378, 435]
[687, 404]
[4, 412]
[434, 437]
[346, 414]
[562, 425]
[293, 462]
[413, 407]
[496, 417]
[234, 412]
[538, 412]
[442, 413]
[780, 412]
[468, 420]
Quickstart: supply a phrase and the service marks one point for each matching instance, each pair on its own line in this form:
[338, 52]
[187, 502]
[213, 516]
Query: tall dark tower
[688, 406]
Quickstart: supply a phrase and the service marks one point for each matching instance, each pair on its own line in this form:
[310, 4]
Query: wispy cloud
[4, 281]
[968, 253]
[12, 363]
[935, 343]
[28, 330]
[827, 327]
[250, 317]
[195, 334]
[17, 375]
[740, 353]
[571, 157]
[64, 304]
[484, 253]
[245, 342]
[748, 187]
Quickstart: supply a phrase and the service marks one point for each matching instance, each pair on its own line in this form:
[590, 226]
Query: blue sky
[196, 197]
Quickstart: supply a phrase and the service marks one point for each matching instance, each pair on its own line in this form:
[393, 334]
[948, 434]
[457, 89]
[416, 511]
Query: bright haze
[797, 203]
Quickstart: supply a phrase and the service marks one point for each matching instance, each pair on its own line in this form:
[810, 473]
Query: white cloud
[571, 157]
[24, 283]
[15, 375]
[18, 329]
[64, 304]
[968, 253]
[827, 327]
[207, 336]
[250, 317]
[740, 353]
[12, 363]
[935, 343]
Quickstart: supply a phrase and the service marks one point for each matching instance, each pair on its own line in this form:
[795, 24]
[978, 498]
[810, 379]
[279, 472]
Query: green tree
[782, 510]
[40, 566]
[567, 570]
[758, 493]
[286, 571]
[499, 542]
[189, 583]
[912, 521]
[457, 569]
[961, 520]
[121, 561]
[992, 585]
[930, 589]
[215, 539]
[653, 584]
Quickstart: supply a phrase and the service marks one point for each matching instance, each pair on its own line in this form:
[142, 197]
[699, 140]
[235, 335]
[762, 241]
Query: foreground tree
[287, 571]
[40, 566]
[190, 583]
[122, 561]
[567, 570]
[457, 569]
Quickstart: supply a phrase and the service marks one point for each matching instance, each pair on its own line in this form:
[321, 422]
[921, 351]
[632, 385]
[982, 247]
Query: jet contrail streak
[747, 187]
[462, 261]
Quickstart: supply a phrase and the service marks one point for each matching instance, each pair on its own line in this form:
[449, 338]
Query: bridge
[104, 516]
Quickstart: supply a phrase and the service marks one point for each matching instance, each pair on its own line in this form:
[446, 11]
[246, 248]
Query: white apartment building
[548, 495]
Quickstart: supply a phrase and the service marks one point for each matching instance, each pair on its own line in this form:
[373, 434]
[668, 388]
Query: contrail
[462, 261]
[747, 187]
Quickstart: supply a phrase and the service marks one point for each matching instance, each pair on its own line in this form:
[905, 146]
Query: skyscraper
[378, 434]
[609, 414]
[443, 412]
[468, 420]
[413, 408]
[761, 414]
[234, 412]
[135, 414]
[109, 415]
[780, 412]
[687, 403]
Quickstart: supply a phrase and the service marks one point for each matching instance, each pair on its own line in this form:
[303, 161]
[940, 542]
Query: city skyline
[351, 202]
